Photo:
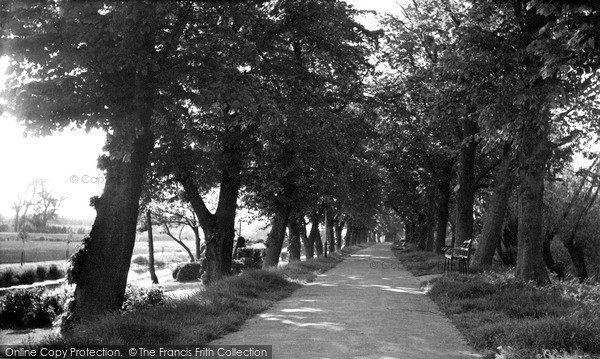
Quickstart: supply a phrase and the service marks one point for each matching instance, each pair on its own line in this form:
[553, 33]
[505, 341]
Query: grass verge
[509, 319]
[222, 307]
[420, 263]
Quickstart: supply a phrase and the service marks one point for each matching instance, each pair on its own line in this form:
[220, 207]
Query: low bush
[27, 276]
[252, 257]
[187, 272]
[30, 275]
[140, 261]
[29, 309]
[54, 272]
[140, 297]
[41, 273]
[8, 278]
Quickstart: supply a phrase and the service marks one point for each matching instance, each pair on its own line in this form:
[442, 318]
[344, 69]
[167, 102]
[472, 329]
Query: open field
[42, 251]
[11, 236]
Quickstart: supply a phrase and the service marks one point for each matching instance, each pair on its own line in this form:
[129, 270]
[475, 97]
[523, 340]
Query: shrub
[140, 297]
[250, 257]
[41, 273]
[187, 272]
[29, 309]
[8, 278]
[141, 261]
[27, 276]
[55, 273]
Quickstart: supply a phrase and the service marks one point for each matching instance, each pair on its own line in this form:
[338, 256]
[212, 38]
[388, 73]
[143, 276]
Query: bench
[461, 253]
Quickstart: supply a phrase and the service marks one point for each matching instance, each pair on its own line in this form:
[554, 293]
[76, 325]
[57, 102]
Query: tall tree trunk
[294, 238]
[153, 276]
[442, 212]
[430, 222]
[348, 237]
[276, 237]
[101, 273]
[494, 219]
[339, 227]
[218, 228]
[465, 194]
[329, 231]
[198, 242]
[309, 246]
[535, 152]
[577, 254]
[314, 235]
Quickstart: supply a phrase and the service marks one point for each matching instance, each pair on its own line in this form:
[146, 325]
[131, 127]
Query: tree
[153, 276]
[24, 202]
[46, 207]
[98, 65]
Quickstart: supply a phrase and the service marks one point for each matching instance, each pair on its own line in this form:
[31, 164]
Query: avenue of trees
[458, 119]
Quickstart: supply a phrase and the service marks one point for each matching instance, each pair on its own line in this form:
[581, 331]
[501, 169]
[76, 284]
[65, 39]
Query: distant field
[11, 236]
[41, 251]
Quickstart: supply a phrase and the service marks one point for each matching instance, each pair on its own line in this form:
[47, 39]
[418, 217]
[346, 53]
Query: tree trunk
[309, 247]
[198, 242]
[339, 227]
[348, 237]
[314, 235]
[168, 233]
[431, 224]
[494, 219]
[465, 194]
[329, 232]
[153, 276]
[218, 228]
[294, 236]
[101, 274]
[577, 254]
[441, 209]
[535, 151]
[276, 237]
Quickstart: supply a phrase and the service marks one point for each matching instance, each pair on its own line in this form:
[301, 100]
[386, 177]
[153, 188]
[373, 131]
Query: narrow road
[366, 307]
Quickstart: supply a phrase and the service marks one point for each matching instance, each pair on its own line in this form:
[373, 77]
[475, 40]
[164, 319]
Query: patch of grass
[222, 307]
[522, 316]
[420, 262]
[514, 319]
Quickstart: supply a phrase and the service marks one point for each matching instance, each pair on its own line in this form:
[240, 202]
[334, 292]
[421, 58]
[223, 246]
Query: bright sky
[55, 158]
[67, 160]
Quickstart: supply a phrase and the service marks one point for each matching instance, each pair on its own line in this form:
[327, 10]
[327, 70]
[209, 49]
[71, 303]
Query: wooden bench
[461, 253]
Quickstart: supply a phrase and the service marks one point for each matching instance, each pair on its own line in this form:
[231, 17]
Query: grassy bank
[220, 308]
[507, 319]
[420, 263]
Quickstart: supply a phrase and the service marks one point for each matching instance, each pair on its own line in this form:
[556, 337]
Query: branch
[205, 218]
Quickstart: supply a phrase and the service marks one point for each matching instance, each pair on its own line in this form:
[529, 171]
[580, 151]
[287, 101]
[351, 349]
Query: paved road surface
[366, 307]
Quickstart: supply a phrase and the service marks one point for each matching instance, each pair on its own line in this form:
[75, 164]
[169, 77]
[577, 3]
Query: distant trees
[44, 204]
